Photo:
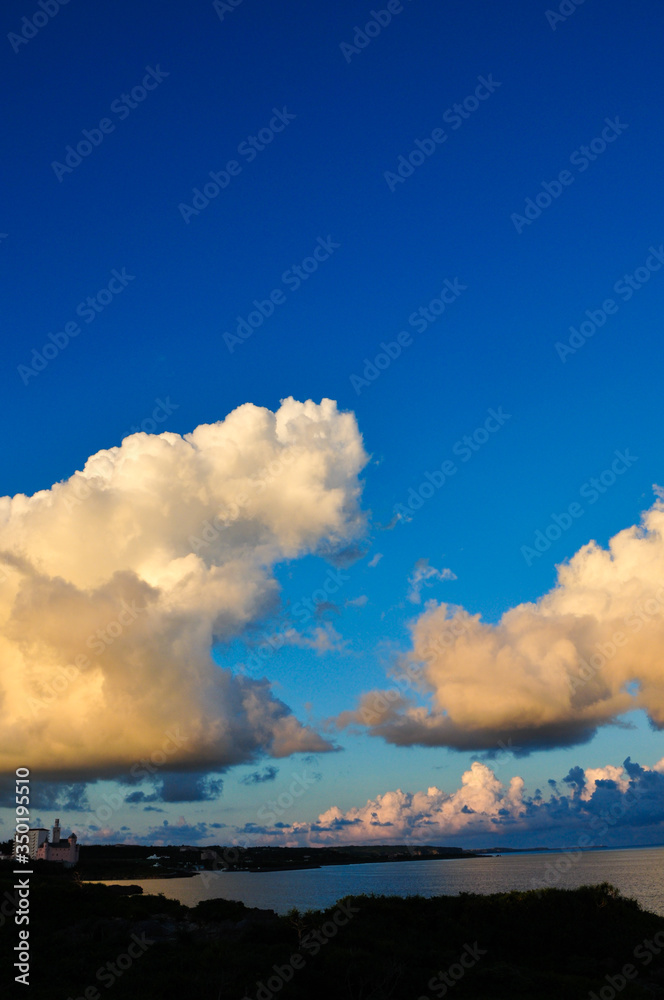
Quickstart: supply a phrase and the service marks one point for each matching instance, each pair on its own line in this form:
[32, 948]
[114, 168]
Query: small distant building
[65, 851]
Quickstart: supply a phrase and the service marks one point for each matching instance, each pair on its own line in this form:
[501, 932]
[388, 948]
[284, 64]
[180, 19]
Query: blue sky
[339, 123]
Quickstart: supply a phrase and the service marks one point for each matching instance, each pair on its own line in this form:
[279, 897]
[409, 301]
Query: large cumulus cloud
[548, 673]
[116, 583]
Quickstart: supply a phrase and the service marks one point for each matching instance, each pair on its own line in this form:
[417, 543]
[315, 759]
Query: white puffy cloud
[323, 639]
[116, 583]
[607, 773]
[401, 813]
[422, 576]
[548, 673]
[601, 804]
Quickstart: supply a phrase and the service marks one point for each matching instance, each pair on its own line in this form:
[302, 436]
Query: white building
[37, 837]
[65, 851]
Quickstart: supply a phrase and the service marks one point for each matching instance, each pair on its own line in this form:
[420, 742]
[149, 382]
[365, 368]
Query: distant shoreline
[149, 874]
[256, 869]
[113, 868]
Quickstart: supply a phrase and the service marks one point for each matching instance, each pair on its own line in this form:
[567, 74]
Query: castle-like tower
[58, 849]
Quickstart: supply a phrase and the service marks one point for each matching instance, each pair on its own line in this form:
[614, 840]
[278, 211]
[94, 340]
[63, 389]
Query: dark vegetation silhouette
[557, 943]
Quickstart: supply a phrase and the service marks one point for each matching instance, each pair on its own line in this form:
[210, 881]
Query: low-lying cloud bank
[612, 805]
[609, 805]
[115, 583]
[548, 673]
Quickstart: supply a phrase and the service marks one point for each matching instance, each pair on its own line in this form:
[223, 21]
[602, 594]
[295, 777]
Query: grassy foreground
[87, 940]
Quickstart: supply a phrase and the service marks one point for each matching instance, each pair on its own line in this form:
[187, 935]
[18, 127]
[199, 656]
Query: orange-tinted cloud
[548, 673]
[115, 583]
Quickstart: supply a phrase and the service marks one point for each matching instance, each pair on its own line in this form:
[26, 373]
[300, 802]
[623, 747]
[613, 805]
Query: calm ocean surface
[636, 872]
